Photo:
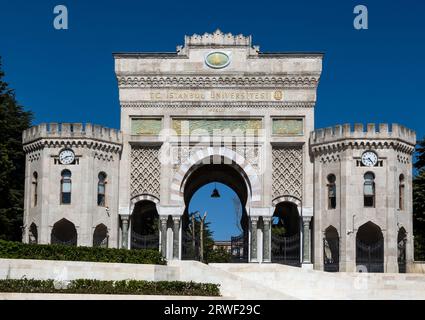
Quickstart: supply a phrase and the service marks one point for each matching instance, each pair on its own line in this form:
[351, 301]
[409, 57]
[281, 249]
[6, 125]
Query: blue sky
[373, 75]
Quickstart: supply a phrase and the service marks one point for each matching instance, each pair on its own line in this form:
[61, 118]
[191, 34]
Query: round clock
[66, 156]
[369, 158]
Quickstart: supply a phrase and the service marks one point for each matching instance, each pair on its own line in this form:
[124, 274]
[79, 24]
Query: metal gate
[239, 248]
[401, 256]
[370, 256]
[190, 246]
[331, 254]
[286, 250]
[139, 241]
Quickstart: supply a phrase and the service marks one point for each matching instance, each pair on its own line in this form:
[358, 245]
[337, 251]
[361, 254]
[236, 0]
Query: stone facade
[220, 101]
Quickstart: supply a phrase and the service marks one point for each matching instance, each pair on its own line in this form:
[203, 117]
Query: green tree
[419, 202]
[13, 120]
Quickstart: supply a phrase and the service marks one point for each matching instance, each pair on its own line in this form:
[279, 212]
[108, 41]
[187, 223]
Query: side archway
[144, 225]
[100, 236]
[401, 248]
[33, 234]
[64, 233]
[331, 250]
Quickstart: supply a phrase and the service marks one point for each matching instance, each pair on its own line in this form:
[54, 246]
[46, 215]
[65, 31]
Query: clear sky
[373, 75]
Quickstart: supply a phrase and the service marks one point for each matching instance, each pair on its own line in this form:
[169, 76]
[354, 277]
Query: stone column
[124, 231]
[163, 222]
[176, 237]
[306, 240]
[266, 239]
[254, 221]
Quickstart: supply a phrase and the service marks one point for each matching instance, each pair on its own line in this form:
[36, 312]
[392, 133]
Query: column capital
[125, 217]
[306, 219]
[176, 218]
[267, 219]
[254, 219]
[163, 219]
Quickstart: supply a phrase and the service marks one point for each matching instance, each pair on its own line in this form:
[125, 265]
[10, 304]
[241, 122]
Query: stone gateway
[219, 109]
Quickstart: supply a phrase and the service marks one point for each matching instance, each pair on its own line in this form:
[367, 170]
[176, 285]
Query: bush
[18, 250]
[219, 255]
[87, 286]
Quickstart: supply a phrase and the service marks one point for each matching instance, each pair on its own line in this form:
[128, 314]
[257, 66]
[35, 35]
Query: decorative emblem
[217, 60]
[278, 95]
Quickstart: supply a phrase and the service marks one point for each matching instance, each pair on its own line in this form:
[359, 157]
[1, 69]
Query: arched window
[101, 189]
[100, 236]
[401, 192]
[34, 188]
[369, 189]
[33, 234]
[331, 191]
[66, 187]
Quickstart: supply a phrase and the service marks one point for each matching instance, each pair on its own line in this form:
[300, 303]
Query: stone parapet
[345, 134]
[71, 131]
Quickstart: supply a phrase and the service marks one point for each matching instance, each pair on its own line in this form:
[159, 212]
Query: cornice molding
[72, 143]
[219, 105]
[341, 145]
[208, 81]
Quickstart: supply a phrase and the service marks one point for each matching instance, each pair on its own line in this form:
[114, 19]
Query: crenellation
[382, 131]
[71, 130]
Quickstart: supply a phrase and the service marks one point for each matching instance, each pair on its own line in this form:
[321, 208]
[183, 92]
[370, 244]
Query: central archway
[233, 177]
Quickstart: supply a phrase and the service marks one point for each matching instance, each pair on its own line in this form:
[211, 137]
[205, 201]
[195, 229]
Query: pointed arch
[228, 156]
[64, 232]
[101, 236]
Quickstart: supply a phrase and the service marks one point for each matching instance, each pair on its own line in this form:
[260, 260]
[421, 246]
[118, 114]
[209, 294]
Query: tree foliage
[419, 202]
[13, 120]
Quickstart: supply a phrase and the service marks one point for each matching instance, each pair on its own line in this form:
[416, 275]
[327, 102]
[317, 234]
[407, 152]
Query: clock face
[369, 158]
[66, 156]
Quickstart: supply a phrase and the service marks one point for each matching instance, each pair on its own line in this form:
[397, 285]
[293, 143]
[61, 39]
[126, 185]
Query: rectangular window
[66, 198]
[369, 201]
[331, 196]
[35, 195]
[401, 197]
[101, 195]
[66, 192]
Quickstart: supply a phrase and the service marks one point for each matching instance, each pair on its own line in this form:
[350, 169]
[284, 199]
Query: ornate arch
[245, 168]
[142, 197]
[287, 198]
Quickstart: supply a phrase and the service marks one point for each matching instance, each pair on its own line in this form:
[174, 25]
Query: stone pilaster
[254, 222]
[163, 222]
[176, 237]
[124, 230]
[266, 239]
[306, 240]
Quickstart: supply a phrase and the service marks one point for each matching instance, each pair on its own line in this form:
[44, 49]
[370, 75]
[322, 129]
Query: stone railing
[345, 132]
[71, 130]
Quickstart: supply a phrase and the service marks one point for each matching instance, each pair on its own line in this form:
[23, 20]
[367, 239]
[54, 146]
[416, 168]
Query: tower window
[401, 192]
[101, 189]
[369, 190]
[34, 188]
[331, 191]
[66, 187]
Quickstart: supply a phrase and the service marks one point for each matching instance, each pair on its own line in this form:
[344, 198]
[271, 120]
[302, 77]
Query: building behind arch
[220, 100]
